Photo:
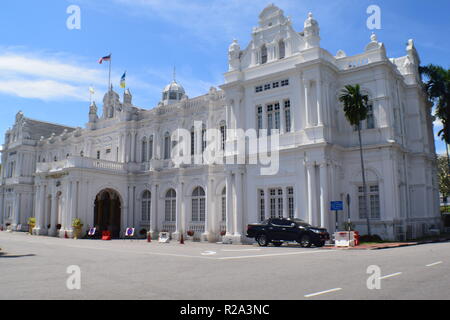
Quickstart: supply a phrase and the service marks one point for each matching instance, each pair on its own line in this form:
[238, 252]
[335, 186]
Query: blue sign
[337, 205]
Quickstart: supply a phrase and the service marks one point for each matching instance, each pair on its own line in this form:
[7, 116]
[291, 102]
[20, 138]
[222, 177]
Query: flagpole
[109, 79]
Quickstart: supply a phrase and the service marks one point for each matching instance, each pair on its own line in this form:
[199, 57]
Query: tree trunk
[364, 182]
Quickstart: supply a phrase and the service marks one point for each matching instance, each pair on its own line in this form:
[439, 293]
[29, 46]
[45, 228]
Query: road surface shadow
[5, 255]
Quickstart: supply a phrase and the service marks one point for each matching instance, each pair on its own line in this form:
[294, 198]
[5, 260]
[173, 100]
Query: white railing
[80, 162]
[197, 227]
[169, 227]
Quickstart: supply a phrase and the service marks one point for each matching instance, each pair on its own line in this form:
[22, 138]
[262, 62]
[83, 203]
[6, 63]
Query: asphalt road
[36, 268]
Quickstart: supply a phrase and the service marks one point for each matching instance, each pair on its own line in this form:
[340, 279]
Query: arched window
[146, 205]
[224, 204]
[198, 204]
[171, 206]
[144, 150]
[281, 49]
[263, 54]
[167, 146]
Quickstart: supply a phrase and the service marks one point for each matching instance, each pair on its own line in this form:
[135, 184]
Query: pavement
[37, 268]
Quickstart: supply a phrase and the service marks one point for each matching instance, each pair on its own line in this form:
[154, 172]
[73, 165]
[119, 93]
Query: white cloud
[47, 76]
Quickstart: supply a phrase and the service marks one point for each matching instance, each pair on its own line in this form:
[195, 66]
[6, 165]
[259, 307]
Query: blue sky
[46, 69]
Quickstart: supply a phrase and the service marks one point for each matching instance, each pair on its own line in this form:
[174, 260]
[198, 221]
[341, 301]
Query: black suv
[279, 230]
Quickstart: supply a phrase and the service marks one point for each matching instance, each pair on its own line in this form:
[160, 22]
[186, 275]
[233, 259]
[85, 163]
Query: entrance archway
[107, 212]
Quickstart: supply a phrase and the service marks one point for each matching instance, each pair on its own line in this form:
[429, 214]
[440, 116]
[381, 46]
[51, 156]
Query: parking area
[36, 268]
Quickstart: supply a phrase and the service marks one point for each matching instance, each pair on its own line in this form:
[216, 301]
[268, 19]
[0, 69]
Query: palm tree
[356, 109]
[438, 91]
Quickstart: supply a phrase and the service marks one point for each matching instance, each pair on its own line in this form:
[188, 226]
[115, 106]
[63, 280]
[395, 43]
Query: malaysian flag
[106, 58]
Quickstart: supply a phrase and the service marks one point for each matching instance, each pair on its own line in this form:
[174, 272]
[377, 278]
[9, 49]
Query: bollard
[181, 239]
[149, 237]
[65, 235]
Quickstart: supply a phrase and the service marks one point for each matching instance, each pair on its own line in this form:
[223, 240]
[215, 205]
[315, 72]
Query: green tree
[355, 110]
[443, 175]
[437, 88]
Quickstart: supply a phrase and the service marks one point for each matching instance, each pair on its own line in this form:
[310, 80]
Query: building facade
[119, 171]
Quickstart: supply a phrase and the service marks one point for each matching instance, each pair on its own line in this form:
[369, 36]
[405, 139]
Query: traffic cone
[182, 239]
[149, 237]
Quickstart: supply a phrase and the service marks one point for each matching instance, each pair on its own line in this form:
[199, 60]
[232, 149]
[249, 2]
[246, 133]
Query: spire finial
[174, 74]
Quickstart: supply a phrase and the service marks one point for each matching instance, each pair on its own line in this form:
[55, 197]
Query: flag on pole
[123, 80]
[105, 58]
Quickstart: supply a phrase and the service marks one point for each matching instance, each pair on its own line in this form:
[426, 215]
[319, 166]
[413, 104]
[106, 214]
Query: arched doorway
[107, 212]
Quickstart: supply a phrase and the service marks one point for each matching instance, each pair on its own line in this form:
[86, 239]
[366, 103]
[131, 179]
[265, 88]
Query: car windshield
[301, 223]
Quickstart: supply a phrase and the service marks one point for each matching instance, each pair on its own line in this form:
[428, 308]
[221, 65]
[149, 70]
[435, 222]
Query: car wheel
[320, 244]
[277, 244]
[262, 240]
[305, 241]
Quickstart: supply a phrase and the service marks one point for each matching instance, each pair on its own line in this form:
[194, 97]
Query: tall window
[192, 141]
[276, 203]
[224, 204]
[146, 205]
[290, 200]
[223, 134]
[281, 49]
[198, 204]
[98, 155]
[287, 115]
[150, 148]
[370, 117]
[171, 206]
[273, 117]
[259, 119]
[262, 205]
[373, 193]
[263, 54]
[167, 146]
[203, 138]
[144, 150]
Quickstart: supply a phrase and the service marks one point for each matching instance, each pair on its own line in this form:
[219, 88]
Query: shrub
[143, 232]
[76, 223]
[190, 233]
[373, 238]
[32, 221]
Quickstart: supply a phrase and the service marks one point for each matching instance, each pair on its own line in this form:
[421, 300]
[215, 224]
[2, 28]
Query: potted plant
[31, 224]
[77, 225]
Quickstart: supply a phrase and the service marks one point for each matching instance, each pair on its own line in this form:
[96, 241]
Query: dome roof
[174, 87]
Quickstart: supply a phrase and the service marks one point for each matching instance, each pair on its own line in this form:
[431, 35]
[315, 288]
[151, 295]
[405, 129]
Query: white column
[37, 206]
[311, 173]
[282, 118]
[267, 203]
[285, 204]
[133, 147]
[179, 216]
[238, 215]
[324, 200]
[53, 215]
[209, 212]
[2, 211]
[306, 84]
[17, 209]
[229, 205]
[319, 103]
[153, 211]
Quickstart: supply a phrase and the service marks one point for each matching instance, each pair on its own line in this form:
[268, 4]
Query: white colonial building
[118, 171]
